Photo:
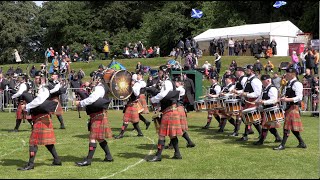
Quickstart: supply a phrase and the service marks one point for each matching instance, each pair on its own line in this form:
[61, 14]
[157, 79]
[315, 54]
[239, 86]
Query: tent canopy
[282, 28]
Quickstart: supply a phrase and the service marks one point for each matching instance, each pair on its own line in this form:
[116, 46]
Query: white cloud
[39, 3]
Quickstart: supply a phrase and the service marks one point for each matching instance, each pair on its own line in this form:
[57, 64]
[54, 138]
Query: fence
[67, 101]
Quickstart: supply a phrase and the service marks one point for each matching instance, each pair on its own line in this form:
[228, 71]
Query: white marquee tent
[283, 32]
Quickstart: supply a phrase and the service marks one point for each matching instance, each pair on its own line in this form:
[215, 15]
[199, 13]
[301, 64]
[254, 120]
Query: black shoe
[108, 160]
[56, 162]
[280, 147]
[154, 159]
[251, 132]
[140, 135]
[62, 126]
[147, 125]
[258, 143]
[220, 131]
[191, 145]
[234, 134]
[119, 136]
[205, 127]
[244, 138]
[176, 156]
[83, 163]
[168, 147]
[278, 140]
[29, 166]
[14, 130]
[302, 145]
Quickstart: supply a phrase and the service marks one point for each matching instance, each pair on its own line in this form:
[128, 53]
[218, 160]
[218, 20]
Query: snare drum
[212, 103]
[273, 114]
[251, 115]
[233, 106]
[200, 105]
[222, 99]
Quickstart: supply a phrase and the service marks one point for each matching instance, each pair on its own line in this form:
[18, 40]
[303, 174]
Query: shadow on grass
[19, 163]
[129, 155]
[146, 146]
[7, 130]
[70, 158]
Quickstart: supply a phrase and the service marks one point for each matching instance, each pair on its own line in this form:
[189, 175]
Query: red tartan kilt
[59, 110]
[170, 123]
[42, 132]
[270, 124]
[183, 118]
[21, 114]
[292, 119]
[100, 127]
[131, 114]
[143, 101]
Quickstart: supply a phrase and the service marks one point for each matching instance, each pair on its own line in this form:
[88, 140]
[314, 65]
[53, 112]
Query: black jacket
[190, 90]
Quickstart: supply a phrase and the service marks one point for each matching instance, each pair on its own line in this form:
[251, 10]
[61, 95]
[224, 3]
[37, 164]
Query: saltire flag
[278, 4]
[195, 13]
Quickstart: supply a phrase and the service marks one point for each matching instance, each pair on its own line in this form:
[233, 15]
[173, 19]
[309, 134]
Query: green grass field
[215, 155]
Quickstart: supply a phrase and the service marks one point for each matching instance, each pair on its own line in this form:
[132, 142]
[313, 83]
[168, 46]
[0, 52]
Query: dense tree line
[32, 29]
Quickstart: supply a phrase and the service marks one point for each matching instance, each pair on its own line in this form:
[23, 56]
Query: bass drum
[118, 83]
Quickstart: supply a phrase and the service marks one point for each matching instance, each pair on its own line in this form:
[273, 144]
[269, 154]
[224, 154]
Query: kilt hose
[59, 110]
[183, 118]
[21, 114]
[42, 132]
[268, 125]
[170, 122]
[292, 119]
[131, 113]
[100, 127]
[143, 101]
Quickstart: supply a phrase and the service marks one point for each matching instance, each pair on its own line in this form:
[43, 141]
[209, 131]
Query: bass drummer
[132, 108]
[214, 92]
[268, 99]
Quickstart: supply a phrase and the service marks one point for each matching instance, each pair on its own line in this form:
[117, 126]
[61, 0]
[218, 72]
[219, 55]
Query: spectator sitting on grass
[149, 53]
[126, 52]
[172, 53]
[268, 67]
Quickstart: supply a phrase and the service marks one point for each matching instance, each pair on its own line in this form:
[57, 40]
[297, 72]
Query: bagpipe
[100, 104]
[47, 107]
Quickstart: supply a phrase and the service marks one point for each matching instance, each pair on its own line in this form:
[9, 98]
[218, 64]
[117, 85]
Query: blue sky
[39, 3]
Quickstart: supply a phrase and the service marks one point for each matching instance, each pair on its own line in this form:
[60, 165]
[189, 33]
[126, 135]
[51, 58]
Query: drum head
[271, 108]
[232, 100]
[120, 85]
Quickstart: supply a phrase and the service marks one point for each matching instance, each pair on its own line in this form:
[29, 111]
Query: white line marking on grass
[135, 164]
[23, 144]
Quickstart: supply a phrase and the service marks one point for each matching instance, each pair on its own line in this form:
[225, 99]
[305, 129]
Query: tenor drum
[118, 83]
[212, 103]
[273, 114]
[251, 115]
[200, 105]
[233, 106]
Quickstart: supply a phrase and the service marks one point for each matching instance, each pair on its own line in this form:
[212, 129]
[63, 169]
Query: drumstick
[249, 102]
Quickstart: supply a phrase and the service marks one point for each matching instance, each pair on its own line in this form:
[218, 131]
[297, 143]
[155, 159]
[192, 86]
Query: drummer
[293, 96]
[223, 114]
[240, 84]
[251, 92]
[214, 92]
[131, 110]
[268, 99]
